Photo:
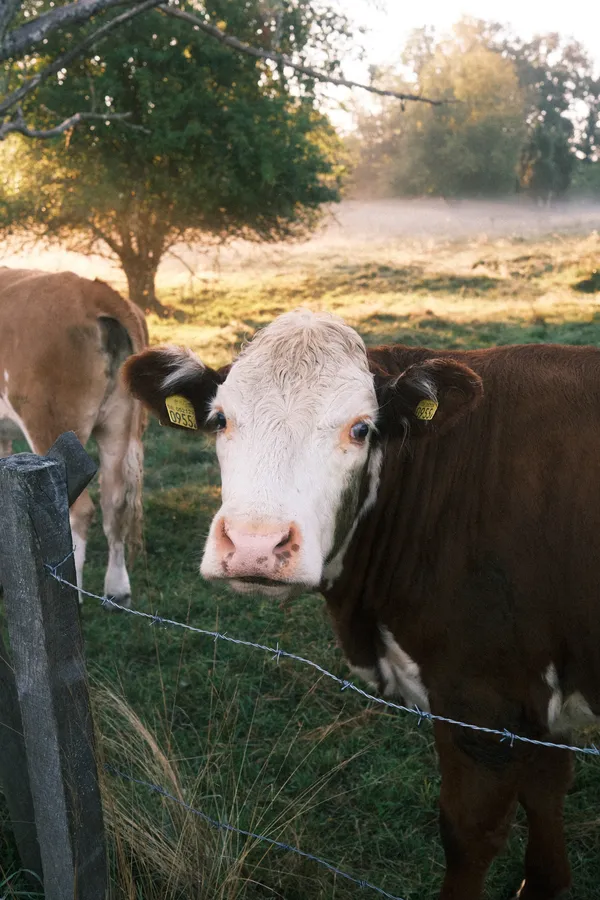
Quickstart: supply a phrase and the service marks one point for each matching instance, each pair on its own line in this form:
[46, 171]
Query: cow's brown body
[482, 557]
[62, 341]
[450, 503]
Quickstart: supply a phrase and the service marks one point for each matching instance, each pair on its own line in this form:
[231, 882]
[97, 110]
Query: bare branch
[67, 58]
[99, 235]
[27, 36]
[19, 125]
[180, 259]
[242, 47]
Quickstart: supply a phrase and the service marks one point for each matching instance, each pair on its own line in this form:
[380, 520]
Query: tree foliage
[556, 76]
[217, 144]
[518, 122]
[468, 146]
[27, 27]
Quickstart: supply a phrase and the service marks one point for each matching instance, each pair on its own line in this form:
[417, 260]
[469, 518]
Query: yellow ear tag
[181, 412]
[426, 410]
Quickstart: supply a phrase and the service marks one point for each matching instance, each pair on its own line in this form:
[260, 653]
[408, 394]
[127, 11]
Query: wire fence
[505, 735]
[277, 653]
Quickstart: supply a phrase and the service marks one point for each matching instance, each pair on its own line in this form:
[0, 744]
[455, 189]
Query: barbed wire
[504, 734]
[225, 826]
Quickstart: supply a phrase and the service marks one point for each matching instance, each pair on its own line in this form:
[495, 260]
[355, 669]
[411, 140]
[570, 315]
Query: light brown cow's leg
[546, 780]
[477, 805]
[121, 463]
[41, 437]
[81, 516]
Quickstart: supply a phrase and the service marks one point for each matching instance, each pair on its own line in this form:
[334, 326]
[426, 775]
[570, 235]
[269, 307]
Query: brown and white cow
[63, 340]
[447, 505]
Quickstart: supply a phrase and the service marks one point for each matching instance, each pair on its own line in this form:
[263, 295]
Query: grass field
[272, 747]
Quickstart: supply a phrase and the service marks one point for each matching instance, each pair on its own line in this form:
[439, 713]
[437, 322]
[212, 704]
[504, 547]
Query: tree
[220, 146]
[493, 73]
[555, 76]
[27, 26]
[470, 144]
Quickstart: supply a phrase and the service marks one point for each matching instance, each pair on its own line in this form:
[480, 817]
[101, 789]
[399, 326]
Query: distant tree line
[521, 116]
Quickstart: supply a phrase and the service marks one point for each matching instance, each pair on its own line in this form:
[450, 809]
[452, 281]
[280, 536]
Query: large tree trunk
[141, 282]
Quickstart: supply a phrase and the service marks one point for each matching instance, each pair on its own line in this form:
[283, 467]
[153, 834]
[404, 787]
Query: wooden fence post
[14, 778]
[49, 669]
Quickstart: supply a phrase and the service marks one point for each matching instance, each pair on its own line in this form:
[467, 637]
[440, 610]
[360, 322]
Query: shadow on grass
[589, 285]
[439, 332]
[217, 305]
[383, 279]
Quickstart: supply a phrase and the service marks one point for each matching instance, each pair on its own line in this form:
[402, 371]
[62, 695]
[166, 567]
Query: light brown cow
[62, 342]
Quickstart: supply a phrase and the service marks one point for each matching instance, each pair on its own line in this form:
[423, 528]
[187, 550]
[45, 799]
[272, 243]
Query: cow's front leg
[546, 780]
[477, 805]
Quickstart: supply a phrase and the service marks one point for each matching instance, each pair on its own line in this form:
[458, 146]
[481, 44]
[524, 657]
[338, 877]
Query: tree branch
[67, 58]
[19, 125]
[8, 9]
[21, 41]
[99, 235]
[242, 47]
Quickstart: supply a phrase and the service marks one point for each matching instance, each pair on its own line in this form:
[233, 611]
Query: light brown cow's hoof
[118, 603]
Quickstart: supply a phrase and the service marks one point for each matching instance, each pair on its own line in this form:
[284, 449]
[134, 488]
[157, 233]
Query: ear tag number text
[181, 411]
[426, 410]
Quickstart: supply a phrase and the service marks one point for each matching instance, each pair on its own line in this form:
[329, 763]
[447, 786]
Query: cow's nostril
[284, 541]
[226, 545]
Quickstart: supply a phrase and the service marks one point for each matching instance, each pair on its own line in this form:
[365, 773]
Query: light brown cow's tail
[123, 331]
[134, 462]
[133, 476]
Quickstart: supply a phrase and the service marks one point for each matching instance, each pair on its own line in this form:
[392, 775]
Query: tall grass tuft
[161, 851]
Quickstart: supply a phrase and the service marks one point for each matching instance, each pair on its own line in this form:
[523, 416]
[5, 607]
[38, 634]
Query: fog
[347, 227]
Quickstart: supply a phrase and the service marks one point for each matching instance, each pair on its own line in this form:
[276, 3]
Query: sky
[391, 21]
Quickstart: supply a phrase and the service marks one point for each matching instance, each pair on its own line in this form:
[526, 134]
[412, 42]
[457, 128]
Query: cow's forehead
[302, 350]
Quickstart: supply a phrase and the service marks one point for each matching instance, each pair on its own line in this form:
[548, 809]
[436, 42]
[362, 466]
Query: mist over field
[350, 227]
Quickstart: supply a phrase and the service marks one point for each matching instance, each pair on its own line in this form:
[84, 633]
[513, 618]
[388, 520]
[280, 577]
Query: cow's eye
[360, 432]
[220, 421]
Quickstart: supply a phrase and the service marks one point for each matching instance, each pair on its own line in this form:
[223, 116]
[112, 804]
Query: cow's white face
[294, 420]
[299, 430]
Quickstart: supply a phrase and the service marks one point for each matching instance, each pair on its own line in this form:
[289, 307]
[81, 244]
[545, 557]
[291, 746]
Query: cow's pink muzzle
[264, 550]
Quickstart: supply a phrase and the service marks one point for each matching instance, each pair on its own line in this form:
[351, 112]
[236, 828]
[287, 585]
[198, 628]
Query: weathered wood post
[14, 778]
[49, 669]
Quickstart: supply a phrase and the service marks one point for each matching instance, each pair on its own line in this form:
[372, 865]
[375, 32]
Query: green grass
[272, 747]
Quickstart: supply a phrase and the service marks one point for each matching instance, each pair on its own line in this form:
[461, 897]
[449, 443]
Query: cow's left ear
[427, 398]
[174, 384]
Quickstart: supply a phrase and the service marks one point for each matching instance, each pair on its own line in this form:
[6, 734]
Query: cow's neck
[387, 578]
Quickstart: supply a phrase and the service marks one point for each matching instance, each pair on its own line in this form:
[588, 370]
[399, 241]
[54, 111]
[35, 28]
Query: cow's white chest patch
[565, 712]
[397, 675]
[400, 674]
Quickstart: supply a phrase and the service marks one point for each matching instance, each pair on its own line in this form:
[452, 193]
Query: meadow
[270, 746]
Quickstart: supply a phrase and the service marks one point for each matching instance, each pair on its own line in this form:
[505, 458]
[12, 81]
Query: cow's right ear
[428, 397]
[173, 384]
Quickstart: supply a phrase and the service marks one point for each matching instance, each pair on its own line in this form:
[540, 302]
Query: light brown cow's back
[53, 367]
